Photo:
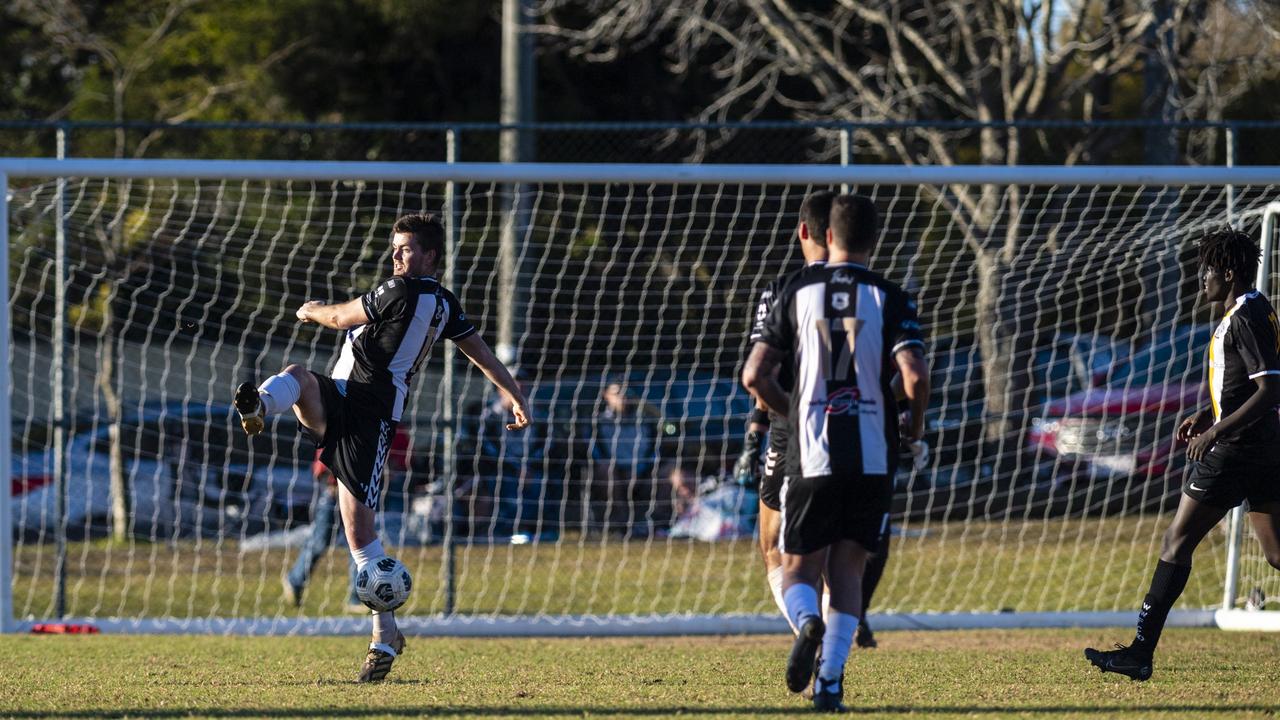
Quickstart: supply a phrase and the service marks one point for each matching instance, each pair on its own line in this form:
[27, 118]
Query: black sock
[1166, 585]
[871, 575]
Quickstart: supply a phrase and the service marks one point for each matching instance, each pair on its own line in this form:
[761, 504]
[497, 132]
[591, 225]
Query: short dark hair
[427, 231]
[815, 212]
[1227, 248]
[853, 222]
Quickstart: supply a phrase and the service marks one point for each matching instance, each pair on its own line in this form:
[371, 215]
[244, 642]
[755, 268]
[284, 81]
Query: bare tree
[988, 61]
[67, 27]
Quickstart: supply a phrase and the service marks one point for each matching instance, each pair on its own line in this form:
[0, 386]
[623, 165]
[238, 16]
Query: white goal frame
[1226, 617]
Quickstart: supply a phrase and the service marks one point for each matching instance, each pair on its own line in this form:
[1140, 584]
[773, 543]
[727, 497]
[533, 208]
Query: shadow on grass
[665, 711]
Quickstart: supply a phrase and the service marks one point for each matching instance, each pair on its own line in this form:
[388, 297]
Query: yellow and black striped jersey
[1244, 346]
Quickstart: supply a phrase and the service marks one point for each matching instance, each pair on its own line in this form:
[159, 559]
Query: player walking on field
[1233, 445]
[352, 414]
[812, 235]
[843, 330]
[815, 212]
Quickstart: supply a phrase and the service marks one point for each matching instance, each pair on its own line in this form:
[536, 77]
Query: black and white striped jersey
[839, 326]
[1245, 346]
[407, 315]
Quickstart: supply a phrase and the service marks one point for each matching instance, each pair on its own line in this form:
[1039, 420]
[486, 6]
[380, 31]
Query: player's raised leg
[294, 388]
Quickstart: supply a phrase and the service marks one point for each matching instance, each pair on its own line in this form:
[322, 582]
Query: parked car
[191, 471]
[1112, 447]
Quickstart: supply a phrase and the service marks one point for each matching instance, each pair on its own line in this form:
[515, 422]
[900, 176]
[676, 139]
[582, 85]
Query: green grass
[988, 674]
[1022, 565]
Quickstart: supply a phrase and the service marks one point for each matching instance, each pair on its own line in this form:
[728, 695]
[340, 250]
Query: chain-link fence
[1040, 142]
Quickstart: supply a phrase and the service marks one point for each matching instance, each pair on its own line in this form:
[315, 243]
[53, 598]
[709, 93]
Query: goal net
[1066, 339]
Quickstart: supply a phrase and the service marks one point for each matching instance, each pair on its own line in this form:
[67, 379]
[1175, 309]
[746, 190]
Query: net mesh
[1065, 342]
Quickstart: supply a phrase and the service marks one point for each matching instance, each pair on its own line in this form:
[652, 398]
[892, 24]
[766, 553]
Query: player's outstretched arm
[478, 352]
[342, 316]
[915, 386]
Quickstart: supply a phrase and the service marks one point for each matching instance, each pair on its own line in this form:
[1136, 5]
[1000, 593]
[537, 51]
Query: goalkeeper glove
[746, 471]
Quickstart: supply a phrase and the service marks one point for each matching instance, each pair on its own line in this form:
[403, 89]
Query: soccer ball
[383, 584]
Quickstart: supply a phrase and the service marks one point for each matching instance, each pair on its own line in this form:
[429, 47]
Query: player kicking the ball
[1233, 445]
[352, 414]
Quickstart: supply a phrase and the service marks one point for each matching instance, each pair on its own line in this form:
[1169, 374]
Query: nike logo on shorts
[1197, 488]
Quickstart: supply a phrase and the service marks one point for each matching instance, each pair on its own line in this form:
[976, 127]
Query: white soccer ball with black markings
[383, 584]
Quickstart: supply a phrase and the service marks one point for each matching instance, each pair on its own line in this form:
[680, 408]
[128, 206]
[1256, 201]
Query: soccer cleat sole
[377, 663]
[1137, 673]
[249, 405]
[804, 653]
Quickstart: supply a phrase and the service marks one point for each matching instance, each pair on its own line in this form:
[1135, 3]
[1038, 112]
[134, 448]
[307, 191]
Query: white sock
[384, 623]
[775, 585]
[384, 631]
[802, 603]
[279, 393]
[368, 553]
[835, 648]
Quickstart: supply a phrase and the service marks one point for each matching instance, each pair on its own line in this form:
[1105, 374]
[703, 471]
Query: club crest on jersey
[840, 300]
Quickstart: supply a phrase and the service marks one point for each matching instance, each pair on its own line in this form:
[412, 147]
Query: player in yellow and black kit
[1233, 445]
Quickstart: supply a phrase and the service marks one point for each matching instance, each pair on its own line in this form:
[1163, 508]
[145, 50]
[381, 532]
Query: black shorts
[356, 442]
[1230, 474]
[819, 511]
[774, 464]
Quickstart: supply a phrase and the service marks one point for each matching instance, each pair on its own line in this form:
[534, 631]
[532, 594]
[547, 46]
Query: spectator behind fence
[624, 457]
[709, 505]
[513, 482]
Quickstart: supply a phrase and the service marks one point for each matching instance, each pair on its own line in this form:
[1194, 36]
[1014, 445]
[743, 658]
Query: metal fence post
[447, 462]
[846, 152]
[1231, 189]
[59, 384]
[7, 623]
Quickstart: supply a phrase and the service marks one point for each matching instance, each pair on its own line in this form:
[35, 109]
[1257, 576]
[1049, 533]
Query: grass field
[987, 674]
[1044, 565]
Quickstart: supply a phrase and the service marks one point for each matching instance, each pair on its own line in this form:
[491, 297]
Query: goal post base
[634, 626]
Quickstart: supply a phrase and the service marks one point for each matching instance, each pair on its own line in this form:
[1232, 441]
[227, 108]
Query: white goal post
[1050, 484]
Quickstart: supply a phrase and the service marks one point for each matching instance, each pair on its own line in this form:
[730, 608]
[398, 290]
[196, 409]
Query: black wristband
[760, 417]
